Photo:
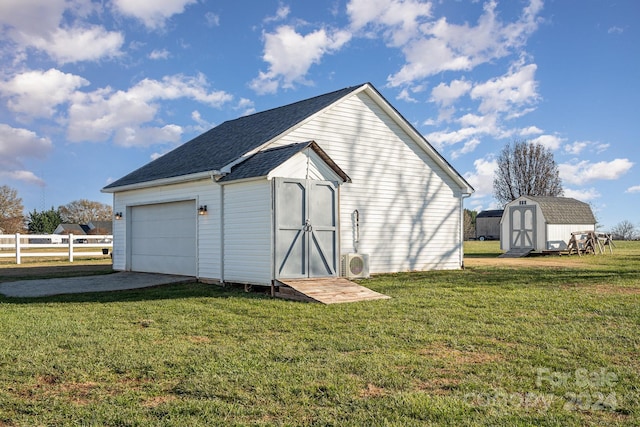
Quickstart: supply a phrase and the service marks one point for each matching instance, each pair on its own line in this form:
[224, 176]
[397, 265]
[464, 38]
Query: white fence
[19, 246]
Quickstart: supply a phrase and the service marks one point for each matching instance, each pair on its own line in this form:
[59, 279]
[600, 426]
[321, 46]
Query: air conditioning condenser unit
[355, 266]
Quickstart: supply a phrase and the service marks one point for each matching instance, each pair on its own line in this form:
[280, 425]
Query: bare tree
[84, 211]
[526, 169]
[469, 224]
[11, 211]
[624, 230]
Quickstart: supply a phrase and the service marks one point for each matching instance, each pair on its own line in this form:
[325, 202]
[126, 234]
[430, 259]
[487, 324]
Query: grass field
[544, 341]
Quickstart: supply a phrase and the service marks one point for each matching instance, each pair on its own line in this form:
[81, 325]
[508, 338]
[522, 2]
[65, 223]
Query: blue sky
[91, 90]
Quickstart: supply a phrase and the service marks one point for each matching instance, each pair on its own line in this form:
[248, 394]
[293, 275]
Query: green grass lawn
[549, 341]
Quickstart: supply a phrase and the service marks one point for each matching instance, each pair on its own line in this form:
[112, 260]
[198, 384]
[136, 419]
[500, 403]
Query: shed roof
[564, 210]
[493, 213]
[263, 162]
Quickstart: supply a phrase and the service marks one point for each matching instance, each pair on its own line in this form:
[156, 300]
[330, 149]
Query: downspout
[221, 237]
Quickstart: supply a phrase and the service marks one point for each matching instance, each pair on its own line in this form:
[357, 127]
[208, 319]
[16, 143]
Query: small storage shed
[541, 224]
[488, 224]
[293, 192]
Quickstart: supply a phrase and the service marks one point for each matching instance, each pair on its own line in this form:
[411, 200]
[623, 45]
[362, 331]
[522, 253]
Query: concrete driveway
[102, 283]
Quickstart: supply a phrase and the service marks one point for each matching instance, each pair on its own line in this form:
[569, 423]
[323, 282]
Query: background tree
[526, 169]
[624, 230]
[84, 211]
[44, 222]
[11, 211]
[469, 224]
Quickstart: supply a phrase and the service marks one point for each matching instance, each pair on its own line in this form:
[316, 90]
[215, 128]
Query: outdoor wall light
[202, 210]
[118, 215]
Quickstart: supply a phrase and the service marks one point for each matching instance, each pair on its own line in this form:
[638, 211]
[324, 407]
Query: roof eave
[164, 181]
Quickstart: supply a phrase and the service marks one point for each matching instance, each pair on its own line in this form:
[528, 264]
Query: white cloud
[531, 130]
[153, 13]
[552, 142]
[507, 92]
[419, 65]
[576, 148]
[32, 16]
[38, 93]
[202, 124]
[213, 20]
[24, 176]
[105, 113]
[615, 30]
[633, 189]
[37, 24]
[405, 96]
[582, 194]
[131, 136]
[398, 20]
[508, 95]
[281, 14]
[79, 44]
[246, 105]
[447, 94]
[291, 54]
[455, 47]
[472, 126]
[481, 179]
[580, 172]
[467, 148]
[17, 144]
[159, 54]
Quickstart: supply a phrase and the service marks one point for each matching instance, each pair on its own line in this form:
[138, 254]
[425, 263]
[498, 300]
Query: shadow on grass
[152, 293]
[27, 272]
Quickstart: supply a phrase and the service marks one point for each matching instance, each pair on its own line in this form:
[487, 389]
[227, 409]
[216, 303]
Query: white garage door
[163, 238]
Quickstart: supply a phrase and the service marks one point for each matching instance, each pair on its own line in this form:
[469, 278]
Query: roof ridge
[347, 89]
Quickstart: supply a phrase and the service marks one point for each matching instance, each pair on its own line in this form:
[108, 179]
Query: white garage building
[289, 193]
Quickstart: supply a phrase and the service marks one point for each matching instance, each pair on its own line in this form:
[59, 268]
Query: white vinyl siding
[305, 165]
[202, 192]
[248, 255]
[409, 208]
[558, 235]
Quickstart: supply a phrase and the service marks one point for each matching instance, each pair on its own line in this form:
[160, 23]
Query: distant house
[75, 229]
[100, 227]
[488, 224]
[93, 228]
[540, 224]
[298, 191]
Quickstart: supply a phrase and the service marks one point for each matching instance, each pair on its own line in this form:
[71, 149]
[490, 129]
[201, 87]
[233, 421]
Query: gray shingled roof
[230, 140]
[564, 210]
[263, 162]
[77, 229]
[104, 227]
[493, 213]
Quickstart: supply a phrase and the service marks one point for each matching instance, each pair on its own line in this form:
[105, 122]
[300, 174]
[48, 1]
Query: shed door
[306, 220]
[162, 238]
[523, 222]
